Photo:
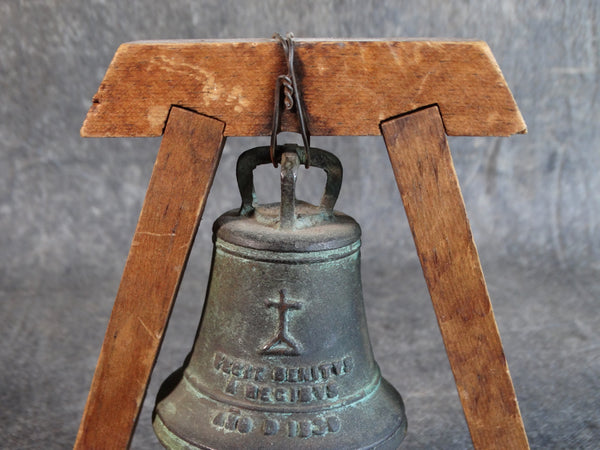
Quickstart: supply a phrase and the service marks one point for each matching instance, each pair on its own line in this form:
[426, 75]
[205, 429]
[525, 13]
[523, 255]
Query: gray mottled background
[68, 208]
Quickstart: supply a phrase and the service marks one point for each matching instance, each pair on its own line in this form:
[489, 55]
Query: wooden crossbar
[348, 87]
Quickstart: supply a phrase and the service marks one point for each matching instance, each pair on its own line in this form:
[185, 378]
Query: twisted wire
[286, 80]
[291, 94]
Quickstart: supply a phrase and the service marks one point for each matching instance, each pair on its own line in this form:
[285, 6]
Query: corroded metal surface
[282, 358]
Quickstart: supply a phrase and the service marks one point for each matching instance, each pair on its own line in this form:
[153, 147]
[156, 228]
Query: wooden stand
[411, 92]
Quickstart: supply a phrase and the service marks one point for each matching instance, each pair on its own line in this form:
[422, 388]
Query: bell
[282, 357]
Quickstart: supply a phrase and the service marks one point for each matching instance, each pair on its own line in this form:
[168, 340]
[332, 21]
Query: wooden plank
[182, 176]
[436, 213]
[234, 81]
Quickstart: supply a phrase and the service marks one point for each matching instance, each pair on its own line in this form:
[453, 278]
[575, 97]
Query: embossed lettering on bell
[282, 357]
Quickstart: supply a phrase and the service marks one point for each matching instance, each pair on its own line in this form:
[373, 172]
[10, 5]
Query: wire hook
[291, 95]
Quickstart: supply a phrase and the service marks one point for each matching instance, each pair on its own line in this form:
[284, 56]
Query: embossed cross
[282, 344]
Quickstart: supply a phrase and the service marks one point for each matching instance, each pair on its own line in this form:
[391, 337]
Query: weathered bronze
[282, 357]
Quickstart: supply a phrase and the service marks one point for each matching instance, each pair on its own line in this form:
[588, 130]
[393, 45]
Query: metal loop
[291, 94]
[254, 157]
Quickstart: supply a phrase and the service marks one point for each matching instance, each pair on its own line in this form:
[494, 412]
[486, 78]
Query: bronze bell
[282, 357]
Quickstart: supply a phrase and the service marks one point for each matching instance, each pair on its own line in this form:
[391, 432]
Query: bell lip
[333, 232]
[385, 399]
[168, 439]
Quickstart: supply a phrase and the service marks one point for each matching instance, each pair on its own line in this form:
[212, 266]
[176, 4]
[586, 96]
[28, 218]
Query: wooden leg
[425, 174]
[182, 176]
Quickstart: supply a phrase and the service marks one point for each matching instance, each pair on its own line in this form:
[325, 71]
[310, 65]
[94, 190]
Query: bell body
[282, 357]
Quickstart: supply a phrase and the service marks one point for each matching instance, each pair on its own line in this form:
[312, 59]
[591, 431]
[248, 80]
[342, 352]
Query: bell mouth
[377, 420]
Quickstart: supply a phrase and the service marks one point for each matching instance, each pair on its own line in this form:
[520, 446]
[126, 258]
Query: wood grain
[436, 213]
[348, 86]
[181, 178]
